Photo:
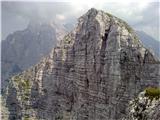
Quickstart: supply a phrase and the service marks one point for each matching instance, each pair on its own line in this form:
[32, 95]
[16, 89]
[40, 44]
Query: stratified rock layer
[92, 75]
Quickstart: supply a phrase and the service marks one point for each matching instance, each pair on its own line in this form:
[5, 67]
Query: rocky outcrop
[92, 75]
[144, 108]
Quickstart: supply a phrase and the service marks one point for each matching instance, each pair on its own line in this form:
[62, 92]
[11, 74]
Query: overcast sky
[142, 16]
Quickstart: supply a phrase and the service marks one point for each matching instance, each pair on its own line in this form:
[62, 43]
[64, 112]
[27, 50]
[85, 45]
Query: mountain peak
[91, 13]
[92, 10]
[99, 22]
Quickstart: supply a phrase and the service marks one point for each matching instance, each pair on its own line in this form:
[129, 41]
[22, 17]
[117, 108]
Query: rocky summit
[93, 74]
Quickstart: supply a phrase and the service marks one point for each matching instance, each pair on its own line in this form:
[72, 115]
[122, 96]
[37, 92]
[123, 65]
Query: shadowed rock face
[92, 75]
[25, 48]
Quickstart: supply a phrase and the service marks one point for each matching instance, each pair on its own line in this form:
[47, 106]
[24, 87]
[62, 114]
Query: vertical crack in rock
[145, 56]
[85, 66]
[102, 53]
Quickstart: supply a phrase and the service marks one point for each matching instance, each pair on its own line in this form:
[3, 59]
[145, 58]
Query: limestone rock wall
[91, 75]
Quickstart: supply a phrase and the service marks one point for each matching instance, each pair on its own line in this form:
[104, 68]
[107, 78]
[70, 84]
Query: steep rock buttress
[92, 75]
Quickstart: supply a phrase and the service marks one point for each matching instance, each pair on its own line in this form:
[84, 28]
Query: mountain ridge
[149, 42]
[25, 48]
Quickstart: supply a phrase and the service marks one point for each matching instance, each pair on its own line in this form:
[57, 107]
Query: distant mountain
[69, 26]
[25, 48]
[149, 42]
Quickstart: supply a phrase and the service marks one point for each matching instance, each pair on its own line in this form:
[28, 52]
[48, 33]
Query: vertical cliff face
[92, 75]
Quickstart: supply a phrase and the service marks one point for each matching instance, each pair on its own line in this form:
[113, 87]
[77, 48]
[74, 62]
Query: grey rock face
[91, 75]
[25, 48]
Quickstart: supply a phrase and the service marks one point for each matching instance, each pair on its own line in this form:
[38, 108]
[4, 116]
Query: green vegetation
[127, 27]
[26, 90]
[17, 78]
[136, 41]
[59, 117]
[26, 118]
[67, 40]
[25, 97]
[152, 92]
[109, 14]
[24, 86]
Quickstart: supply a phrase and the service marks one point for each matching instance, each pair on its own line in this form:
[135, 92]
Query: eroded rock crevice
[103, 53]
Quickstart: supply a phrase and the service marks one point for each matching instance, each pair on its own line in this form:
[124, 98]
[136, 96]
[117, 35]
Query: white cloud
[60, 17]
[141, 15]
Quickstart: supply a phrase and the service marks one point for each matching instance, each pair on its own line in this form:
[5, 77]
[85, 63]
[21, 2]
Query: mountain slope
[92, 75]
[149, 42]
[22, 49]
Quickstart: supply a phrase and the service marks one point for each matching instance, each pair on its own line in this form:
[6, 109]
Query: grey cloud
[150, 21]
[35, 10]
[150, 15]
[17, 15]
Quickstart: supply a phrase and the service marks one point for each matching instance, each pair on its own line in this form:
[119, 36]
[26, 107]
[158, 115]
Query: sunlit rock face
[144, 108]
[91, 75]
